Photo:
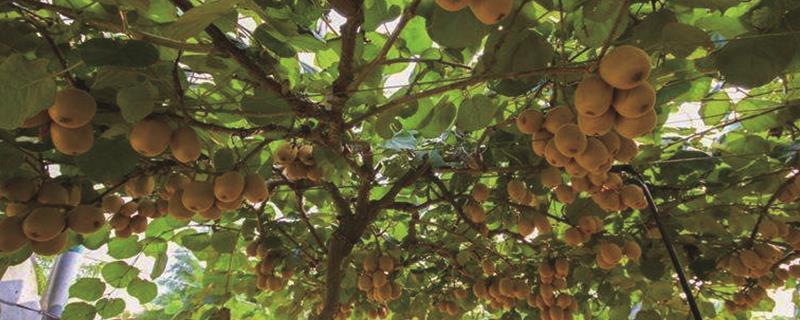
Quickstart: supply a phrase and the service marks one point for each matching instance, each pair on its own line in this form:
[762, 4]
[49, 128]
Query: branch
[298, 195]
[342, 205]
[404, 181]
[349, 33]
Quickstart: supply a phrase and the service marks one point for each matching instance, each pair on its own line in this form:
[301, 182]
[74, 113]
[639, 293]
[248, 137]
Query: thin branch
[298, 196]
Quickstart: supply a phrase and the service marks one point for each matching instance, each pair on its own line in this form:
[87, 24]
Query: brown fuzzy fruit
[112, 203]
[364, 282]
[558, 117]
[625, 67]
[185, 145]
[138, 224]
[610, 252]
[594, 156]
[72, 141]
[636, 127]
[119, 222]
[529, 121]
[565, 194]
[147, 208]
[128, 209]
[305, 154]
[85, 219]
[386, 263]
[37, 120]
[453, 5]
[612, 142]
[52, 194]
[229, 186]
[569, 140]
[370, 263]
[50, 247]
[613, 182]
[198, 196]
[18, 189]
[525, 226]
[44, 223]
[11, 235]
[633, 196]
[229, 206]
[554, 157]
[632, 250]
[635, 102]
[593, 97]
[295, 171]
[176, 207]
[379, 279]
[480, 192]
[175, 182]
[539, 142]
[72, 108]
[491, 11]
[140, 186]
[475, 212]
[580, 184]
[17, 209]
[255, 189]
[608, 200]
[574, 169]
[550, 177]
[597, 126]
[627, 150]
[573, 237]
[285, 154]
[150, 137]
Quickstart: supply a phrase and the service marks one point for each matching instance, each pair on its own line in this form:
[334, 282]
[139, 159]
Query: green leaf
[108, 308]
[224, 241]
[123, 248]
[682, 39]
[143, 290]
[223, 159]
[137, 102]
[26, 88]
[198, 18]
[415, 36]
[652, 268]
[438, 120]
[270, 109]
[119, 274]
[593, 26]
[78, 311]
[96, 240]
[754, 61]
[88, 289]
[108, 159]
[710, 4]
[456, 29]
[716, 109]
[476, 113]
[159, 265]
[761, 114]
[128, 53]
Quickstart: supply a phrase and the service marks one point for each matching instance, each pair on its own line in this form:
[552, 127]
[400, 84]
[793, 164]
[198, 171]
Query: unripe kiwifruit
[85, 219]
[565, 194]
[550, 177]
[72, 141]
[150, 137]
[633, 196]
[539, 142]
[625, 67]
[557, 117]
[52, 194]
[37, 120]
[569, 140]
[285, 154]
[627, 150]
[185, 145]
[593, 97]
[18, 189]
[529, 121]
[50, 247]
[140, 186]
[491, 11]
[177, 209]
[72, 108]
[635, 102]
[12, 236]
[480, 192]
[597, 126]
[44, 223]
[255, 189]
[553, 156]
[229, 186]
[594, 156]
[112, 203]
[636, 127]
[198, 196]
[453, 5]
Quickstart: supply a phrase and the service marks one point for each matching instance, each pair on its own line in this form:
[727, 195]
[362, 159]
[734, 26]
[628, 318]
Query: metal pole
[62, 275]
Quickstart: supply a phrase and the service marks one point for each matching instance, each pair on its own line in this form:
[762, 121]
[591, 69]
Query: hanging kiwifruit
[112, 203]
[550, 177]
[569, 140]
[44, 223]
[50, 247]
[140, 186]
[229, 186]
[198, 196]
[557, 117]
[185, 145]
[539, 141]
[85, 219]
[72, 141]
[491, 11]
[612, 142]
[597, 126]
[480, 192]
[594, 156]
[635, 102]
[52, 194]
[529, 121]
[150, 137]
[553, 156]
[636, 127]
[453, 5]
[72, 108]
[176, 207]
[625, 67]
[12, 236]
[627, 150]
[633, 196]
[565, 194]
[285, 154]
[593, 97]
[18, 189]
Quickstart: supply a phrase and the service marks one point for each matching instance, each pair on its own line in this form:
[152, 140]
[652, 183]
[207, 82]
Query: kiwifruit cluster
[551, 298]
[40, 215]
[297, 162]
[131, 217]
[151, 137]
[70, 119]
[610, 110]
[754, 262]
[376, 278]
[754, 291]
[609, 254]
[791, 193]
[210, 198]
[267, 277]
[527, 222]
[587, 226]
[346, 310]
[486, 11]
[502, 292]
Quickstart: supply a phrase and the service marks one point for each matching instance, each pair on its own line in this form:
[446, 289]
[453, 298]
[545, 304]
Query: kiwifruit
[480, 290]
[185, 145]
[229, 186]
[140, 186]
[364, 282]
[556, 313]
[633, 196]
[19, 189]
[75, 193]
[128, 209]
[542, 223]
[175, 182]
[72, 108]
[516, 189]
[370, 263]
[119, 221]
[480, 192]
[295, 171]
[627, 150]
[597, 126]
[636, 127]
[487, 267]
[37, 120]
[112, 203]
[491, 11]
[198, 196]
[573, 237]
[50, 247]
[625, 67]
[580, 184]
[529, 121]
[475, 212]
[574, 169]
[305, 154]
[539, 142]
[569, 140]
[314, 174]
[138, 223]
[613, 181]
[598, 178]
[525, 226]
[632, 250]
[610, 252]
[550, 177]
[608, 200]
[176, 207]
[565, 194]
[557, 117]
[12, 236]
[386, 263]
[767, 251]
[162, 208]
[85, 219]
[44, 223]
[593, 97]
[379, 278]
[229, 206]
[635, 102]
[17, 209]
[52, 194]
[285, 154]
[546, 270]
[588, 224]
[562, 267]
[768, 229]
[147, 208]
[553, 156]
[563, 301]
[612, 142]
[150, 137]
[72, 141]
[506, 286]
[594, 156]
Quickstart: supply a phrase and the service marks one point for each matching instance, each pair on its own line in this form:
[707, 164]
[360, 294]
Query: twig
[298, 196]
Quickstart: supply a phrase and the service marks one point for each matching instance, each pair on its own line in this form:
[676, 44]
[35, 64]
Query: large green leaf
[136, 102]
[119, 274]
[110, 307]
[88, 289]
[143, 290]
[197, 19]
[755, 60]
[456, 29]
[78, 311]
[476, 113]
[129, 53]
[108, 159]
[25, 87]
